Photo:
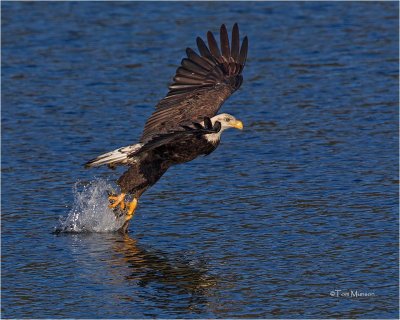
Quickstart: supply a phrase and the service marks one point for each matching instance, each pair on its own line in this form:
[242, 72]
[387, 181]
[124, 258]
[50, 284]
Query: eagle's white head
[227, 121]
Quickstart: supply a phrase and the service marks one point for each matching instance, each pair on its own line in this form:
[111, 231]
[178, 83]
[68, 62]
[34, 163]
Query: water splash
[90, 211]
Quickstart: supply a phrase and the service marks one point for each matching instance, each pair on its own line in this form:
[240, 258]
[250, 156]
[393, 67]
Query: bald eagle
[185, 123]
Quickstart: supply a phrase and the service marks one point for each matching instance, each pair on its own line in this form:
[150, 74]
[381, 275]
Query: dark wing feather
[235, 42]
[203, 49]
[212, 43]
[207, 123]
[243, 52]
[201, 84]
[224, 39]
[204, 63]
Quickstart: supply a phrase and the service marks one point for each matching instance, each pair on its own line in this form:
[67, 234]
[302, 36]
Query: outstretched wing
[201, 84]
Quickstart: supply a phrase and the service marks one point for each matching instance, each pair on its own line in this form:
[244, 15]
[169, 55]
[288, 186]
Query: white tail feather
[115, 158]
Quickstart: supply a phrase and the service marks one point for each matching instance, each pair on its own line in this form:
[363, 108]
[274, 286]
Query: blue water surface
[295, 217]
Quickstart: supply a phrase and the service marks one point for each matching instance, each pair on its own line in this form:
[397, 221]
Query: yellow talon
[131, 209]
[118, 200]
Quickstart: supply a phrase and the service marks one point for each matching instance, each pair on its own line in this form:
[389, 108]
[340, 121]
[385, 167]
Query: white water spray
[90, 211]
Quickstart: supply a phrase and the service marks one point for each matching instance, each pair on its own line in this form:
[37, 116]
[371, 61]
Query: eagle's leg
[131, 209]
[117, 200]
[128, 216]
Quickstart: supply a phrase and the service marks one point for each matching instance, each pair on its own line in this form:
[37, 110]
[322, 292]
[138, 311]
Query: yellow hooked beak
[237, 124]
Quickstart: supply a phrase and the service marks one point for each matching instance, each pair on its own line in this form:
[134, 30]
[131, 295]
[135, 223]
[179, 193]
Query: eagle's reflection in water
[169, 281]
[154, 266]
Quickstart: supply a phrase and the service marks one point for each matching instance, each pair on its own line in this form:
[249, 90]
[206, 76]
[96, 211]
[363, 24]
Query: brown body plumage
[163, 151]
[184, 124]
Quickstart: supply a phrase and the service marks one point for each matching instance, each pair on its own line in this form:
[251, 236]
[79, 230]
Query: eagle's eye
[227, 119]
